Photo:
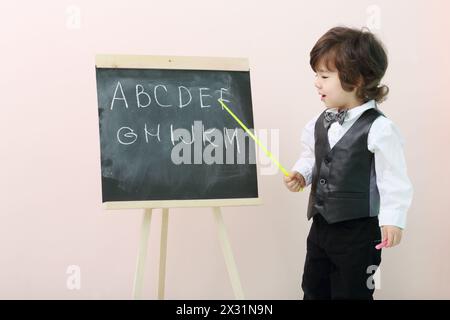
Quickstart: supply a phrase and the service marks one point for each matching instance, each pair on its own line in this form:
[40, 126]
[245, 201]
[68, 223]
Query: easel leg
[163, 253]
[228, 255]
[142, 255]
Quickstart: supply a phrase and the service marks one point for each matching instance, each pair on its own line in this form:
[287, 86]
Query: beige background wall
[51, 215]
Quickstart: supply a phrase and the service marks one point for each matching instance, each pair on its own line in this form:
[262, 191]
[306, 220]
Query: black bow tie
[331, 117]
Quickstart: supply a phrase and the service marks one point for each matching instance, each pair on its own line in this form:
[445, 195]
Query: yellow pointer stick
[268, 153]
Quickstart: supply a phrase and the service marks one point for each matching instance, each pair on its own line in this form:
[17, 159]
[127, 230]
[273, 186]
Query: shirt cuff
[392, 218]
[305, 172]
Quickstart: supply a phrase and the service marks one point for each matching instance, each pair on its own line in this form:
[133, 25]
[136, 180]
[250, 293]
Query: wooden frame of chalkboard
[130, 62]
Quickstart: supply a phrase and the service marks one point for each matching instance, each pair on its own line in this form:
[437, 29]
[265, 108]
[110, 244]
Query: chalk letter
[181, 153]
[208, 156]
[221, 96]
[203, 95]
[151, 134]
[123, 96]
[156, 98]
[190, 96]
[126, 135]
[180, 136]
[139, 91]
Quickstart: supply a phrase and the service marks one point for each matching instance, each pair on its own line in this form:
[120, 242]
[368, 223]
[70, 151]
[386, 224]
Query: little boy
[352, 155]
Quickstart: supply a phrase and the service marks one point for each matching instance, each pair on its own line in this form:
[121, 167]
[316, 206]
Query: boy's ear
[360, 82]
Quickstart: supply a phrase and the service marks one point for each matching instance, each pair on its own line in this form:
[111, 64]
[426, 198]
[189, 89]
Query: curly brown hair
[359, 57]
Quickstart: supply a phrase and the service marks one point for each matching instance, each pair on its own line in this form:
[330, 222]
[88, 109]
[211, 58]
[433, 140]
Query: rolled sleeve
[304, 165]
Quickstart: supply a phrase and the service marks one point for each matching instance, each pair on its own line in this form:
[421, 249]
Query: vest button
[322, 181]
[327, 160]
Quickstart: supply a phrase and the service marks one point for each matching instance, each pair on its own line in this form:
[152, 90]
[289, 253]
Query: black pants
[341, 259]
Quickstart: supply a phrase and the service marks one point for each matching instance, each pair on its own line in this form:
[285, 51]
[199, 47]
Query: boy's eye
[324, 77]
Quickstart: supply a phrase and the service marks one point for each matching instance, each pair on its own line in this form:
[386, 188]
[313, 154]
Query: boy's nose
[317, 84]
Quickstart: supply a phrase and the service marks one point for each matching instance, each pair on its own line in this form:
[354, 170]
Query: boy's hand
[392, 235]
[294, 181]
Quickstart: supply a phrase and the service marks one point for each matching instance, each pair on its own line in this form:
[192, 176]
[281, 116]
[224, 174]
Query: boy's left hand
[392, 235]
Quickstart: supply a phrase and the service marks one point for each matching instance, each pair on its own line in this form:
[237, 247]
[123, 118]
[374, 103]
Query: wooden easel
[177, 63]
[143, 243]
[145, 232]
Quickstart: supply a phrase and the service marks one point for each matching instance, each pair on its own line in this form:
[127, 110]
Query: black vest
[343, 179]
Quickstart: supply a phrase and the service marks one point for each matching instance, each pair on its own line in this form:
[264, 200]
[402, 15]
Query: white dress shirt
[385, 141]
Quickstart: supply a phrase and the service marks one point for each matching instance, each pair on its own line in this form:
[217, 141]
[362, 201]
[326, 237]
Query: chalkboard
[165, 136]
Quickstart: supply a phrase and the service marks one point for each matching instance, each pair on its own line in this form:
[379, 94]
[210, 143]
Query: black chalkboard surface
[164, 135]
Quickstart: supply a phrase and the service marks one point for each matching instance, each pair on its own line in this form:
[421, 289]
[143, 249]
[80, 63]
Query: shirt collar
[356, 111]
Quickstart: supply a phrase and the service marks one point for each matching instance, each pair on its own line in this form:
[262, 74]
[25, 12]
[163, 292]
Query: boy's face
[331, 92]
